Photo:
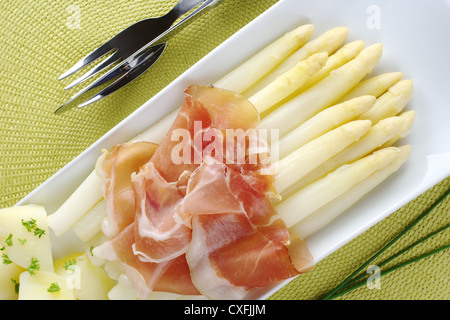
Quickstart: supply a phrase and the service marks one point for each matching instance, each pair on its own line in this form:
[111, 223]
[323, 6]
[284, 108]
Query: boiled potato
[24, 236]
[9, 277]
[44, 285]
[90, 282]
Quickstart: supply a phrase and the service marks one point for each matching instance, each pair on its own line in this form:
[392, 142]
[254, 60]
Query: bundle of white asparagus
[337, 129]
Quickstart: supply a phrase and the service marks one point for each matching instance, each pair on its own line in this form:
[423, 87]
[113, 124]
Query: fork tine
[91, 57]
[131, 75]
[103, 65]
[128, 69]
[113, 73]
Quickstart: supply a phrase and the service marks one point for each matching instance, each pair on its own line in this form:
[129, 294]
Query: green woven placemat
[426, 279]
[41, 39]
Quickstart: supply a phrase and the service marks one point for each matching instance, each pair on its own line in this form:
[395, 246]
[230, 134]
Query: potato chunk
[9, 278]
[44, 285]
[90, 282]
[24, 235]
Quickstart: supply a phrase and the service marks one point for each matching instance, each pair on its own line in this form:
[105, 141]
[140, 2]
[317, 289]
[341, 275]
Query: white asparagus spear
[156, 132]
[374, 86]
[90, 224]
[329, 42]
[408, 117]
[298, 163]
[245, 75]
[319, 193]
[77, 205]
[336, 60]
[327, 213]
[390, 103]
[288, 82]
[323, 94]
[321, 123]
[375, 137]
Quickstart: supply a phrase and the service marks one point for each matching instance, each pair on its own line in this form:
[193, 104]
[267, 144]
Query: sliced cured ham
[236, 244]
[115, 171]
[170, 276]
[199, 217]
[206, 110]
[159, 238]
[159, 186]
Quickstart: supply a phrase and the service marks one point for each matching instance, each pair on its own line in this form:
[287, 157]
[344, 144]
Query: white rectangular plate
[415, 37]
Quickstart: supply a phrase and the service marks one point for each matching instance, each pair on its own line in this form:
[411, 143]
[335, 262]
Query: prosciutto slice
[198, 219]
[170, 276]
[236, 245]
[115, 170]
[160, 185]
[159, 238]
[206, 111]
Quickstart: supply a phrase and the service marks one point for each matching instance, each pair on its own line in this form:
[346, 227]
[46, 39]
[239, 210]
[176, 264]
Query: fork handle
[181, 8]
[173, 29]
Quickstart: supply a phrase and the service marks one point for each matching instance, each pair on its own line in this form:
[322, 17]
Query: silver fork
[138, 47]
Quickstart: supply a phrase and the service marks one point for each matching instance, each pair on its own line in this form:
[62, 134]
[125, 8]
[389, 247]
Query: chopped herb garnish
[22, 241]
[16, 285]
[54, 287]
[6, 259]
[34, 266]
[31, 227]
[70, 265]
[39, 232]
[90, 250]
[8, 240]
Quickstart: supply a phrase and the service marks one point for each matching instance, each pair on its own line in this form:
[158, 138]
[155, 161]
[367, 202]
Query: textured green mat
[38, 43]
